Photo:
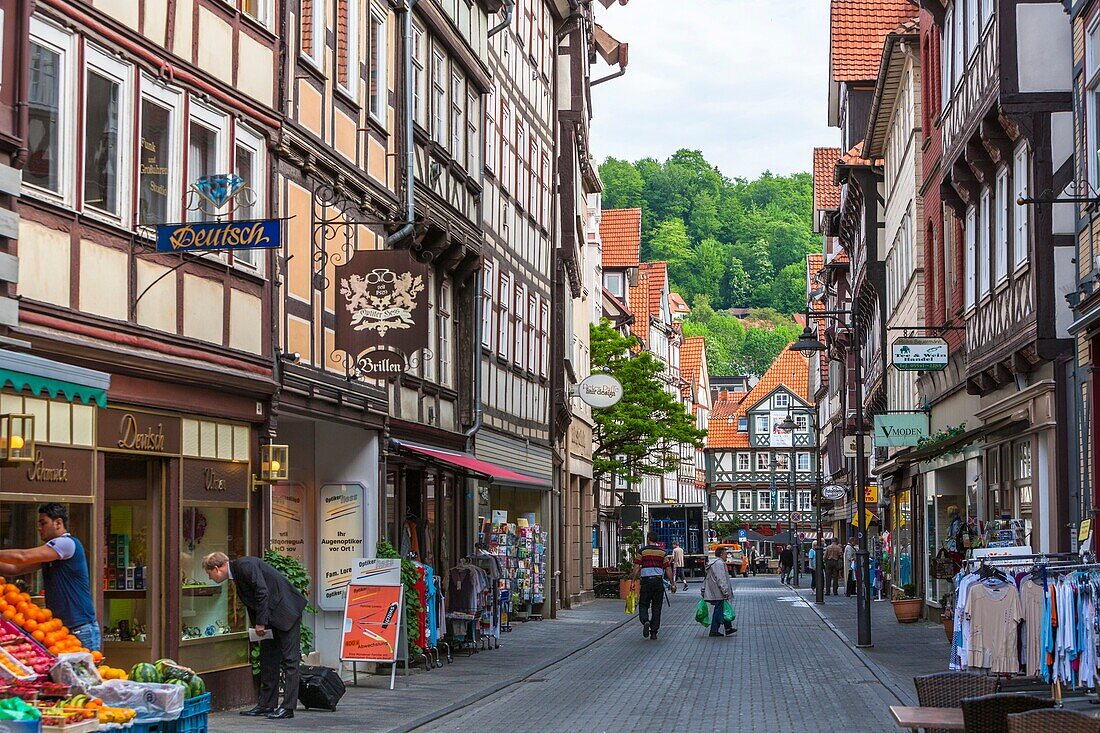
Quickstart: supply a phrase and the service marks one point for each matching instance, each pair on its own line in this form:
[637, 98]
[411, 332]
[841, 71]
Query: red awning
[469, 464]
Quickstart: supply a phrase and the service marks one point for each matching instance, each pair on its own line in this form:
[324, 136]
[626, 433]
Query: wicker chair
[1052, 721]
[989, 713]
[947, 689]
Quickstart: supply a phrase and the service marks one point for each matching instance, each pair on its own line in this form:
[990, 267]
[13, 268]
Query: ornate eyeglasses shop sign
[341, 541]
[382, 312]
[900, 428]
[919, 354]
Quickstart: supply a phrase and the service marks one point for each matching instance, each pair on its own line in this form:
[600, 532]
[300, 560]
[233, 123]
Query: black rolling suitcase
[319, 687]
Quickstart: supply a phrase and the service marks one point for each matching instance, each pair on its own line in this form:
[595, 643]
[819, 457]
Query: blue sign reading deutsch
[210, 236]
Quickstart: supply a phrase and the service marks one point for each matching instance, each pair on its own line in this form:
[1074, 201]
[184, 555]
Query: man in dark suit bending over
[273, 605]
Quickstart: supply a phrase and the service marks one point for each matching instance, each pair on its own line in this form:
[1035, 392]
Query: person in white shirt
[678, 564]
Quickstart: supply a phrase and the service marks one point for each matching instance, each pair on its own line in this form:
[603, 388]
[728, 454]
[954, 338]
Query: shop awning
[467, 463]
[42, 376]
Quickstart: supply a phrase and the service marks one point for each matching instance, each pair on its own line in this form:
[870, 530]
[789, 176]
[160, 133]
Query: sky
[744, 81]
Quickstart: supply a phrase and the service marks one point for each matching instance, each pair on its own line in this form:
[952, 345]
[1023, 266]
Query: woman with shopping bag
[717, 592]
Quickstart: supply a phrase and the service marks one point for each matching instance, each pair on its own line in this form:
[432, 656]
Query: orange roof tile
[854, 159]
[677, 303]
[657, 275]
[691, 362]
[722, 424]
[826, 192]
[857, 29]
[621, 232]
[790, 369]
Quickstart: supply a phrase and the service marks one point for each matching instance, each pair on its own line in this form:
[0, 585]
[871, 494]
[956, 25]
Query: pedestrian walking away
[812, 557]
[850, 567]
[678, 565]
[786, 564]
[754, 561]
[651, 567]
[275, 609]
[717, 590]
[834, 556]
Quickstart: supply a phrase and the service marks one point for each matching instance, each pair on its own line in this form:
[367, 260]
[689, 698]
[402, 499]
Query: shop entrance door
[134, 537]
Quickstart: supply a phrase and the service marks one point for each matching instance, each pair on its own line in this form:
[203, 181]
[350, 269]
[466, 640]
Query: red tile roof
[854, 159]
[691, 363]
[814, 264]
[857, 29]
[677, 304]
[826, 192]
[621, 232]
[790, 369]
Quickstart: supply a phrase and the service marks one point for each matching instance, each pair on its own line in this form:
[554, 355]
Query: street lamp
[788, 425]
[807, 344]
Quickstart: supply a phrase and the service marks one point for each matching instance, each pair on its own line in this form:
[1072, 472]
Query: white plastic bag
[153, 702]
[77, 670]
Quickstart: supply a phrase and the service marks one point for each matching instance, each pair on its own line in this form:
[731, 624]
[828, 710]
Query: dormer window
[742, 425]
[614, 281]
[782, 399]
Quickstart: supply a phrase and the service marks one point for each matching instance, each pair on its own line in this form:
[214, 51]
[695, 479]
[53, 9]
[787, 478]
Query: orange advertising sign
[372, 621]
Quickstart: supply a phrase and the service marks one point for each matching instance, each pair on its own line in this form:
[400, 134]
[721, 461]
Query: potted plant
[633, 540]
[907, 605]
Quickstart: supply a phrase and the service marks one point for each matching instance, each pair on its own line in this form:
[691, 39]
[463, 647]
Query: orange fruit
[55, 649]
[9, 612]
[39, 635]
[30, 625]
[64, 630]
[19, 619]
[25, 597]
[97, 656]
[9, 588]
[47, 614]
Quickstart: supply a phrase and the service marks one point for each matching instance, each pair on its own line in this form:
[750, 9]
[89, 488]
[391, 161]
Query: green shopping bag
[702, 613]
[728, 614]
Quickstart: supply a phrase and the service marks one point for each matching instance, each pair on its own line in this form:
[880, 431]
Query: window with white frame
[490, 130]
[544, 176]
[248, 164]
[49, 111]
[420, 78]
[258, 10]
[532, 332]
[802, 420]
[971, 236]
[981, 272]
[521, 175]
[458, 117]
[473, 140]
[311, 30]
[445, 340]
[763, 424]
[805, 500]
[158, 169]
[1000, 227]
[518, 330]
[781, 400]
[439, 97]
[532, 178]
[1021, 213]
[544, 338]
[972, 23]
[744, 462]
[377, 65]
[784, 500]
[763, 461]
[504, 332]
[764, 501]
[783, 462]
[1092, 101]
[488, 281]
[347, 47]
[205, 152]
[947, 73]
[744, 501]
[614, 282]
[803, 463]
[742, 425]
[505, 147]
[106, 112]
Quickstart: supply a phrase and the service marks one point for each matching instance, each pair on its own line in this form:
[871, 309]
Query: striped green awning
[23, 372]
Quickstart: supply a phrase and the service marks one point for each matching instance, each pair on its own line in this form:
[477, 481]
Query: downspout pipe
[476, 426]
[508, 6]
[609, 77]
[410, 154]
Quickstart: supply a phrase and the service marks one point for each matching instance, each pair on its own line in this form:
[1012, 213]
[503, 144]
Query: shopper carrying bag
[717, 591]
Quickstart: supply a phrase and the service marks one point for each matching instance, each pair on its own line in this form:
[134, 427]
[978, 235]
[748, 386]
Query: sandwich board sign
[374, 619]
[919, 354]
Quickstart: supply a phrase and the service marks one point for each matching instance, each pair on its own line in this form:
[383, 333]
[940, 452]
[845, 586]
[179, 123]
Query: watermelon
[198, 687]
[144, 672]
[181, 683]
[170, 670]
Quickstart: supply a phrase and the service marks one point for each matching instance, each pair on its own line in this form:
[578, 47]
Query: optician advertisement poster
[372, 619]
[340, 541]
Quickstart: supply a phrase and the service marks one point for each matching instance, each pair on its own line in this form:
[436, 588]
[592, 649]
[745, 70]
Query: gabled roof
[691, 363]
[857, 29]
[854, 159]
[621, 234]
[677, 304]
[645, 297]
[790, 369]
[826, 192]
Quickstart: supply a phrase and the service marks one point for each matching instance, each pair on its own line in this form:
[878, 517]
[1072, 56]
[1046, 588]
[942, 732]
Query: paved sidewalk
[421, 697]
[900, 651]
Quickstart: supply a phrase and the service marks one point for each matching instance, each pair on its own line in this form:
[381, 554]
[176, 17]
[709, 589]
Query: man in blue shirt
[64, 569]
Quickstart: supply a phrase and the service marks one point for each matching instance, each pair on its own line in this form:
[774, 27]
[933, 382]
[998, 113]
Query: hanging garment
[959, 646]
[994, 613]
[1032, 604]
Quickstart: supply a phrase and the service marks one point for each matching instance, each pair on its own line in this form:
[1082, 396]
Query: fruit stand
[49, 683]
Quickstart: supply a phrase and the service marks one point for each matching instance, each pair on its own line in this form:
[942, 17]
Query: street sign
[849, 446]
[900, 428]
[919, 354]
[742, 534]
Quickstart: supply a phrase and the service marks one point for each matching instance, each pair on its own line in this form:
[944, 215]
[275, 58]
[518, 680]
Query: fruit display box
[11, 633]
[84, 726]
[11, 668]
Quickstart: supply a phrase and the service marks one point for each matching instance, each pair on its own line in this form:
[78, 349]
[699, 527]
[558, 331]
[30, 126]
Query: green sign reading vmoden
[900, 428]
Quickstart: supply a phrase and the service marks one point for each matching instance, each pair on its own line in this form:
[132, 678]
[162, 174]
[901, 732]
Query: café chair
[1052, 721]
[989, 713]
[947, 689]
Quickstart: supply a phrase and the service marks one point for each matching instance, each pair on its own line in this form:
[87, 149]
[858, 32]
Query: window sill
[346, 96]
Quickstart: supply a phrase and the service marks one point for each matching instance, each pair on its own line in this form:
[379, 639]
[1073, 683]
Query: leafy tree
[622, 185]
[736, 285]
[671, 244]
[708, 267]
[763, 345]
[641, 434]
[789, 289]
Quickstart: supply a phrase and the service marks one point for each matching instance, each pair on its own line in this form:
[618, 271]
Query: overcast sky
[742, 80]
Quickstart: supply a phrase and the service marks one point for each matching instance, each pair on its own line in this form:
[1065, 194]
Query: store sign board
[919, 354]
[900, 429]
[288, 529]
[377, 571]
[382, 311]
[138, 432]
[340, 534]
[216, 482]
[220, 235]
[600, 390]
[55, 472]
[868, 516]
[870, 494]
[834, 492]
[372, 619]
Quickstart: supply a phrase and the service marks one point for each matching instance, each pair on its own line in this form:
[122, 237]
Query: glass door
[133, 507]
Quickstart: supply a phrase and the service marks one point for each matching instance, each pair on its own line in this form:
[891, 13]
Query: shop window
[211, 613]
[744, 501]
[49, 112]
[105, 113]
[222, 441]
[19, 530]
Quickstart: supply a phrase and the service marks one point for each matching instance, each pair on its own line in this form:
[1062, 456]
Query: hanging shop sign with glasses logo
[210, 195]
[919, 354]
[833, 492]
[382, 312]
[900, 428]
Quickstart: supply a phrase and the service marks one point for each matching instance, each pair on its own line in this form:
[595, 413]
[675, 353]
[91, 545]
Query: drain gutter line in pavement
[498, 686]
[873, 667]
